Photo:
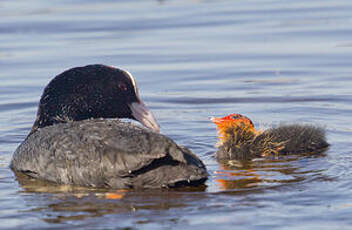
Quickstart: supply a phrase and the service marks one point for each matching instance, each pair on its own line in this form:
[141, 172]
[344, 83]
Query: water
[273, 61]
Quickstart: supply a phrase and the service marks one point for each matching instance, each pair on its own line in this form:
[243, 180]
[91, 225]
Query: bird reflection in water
[32, 185]
[64, 203]
[262, 173]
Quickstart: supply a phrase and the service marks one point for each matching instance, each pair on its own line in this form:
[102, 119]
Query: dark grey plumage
[297, 138]
[107, 153]
[76, 138]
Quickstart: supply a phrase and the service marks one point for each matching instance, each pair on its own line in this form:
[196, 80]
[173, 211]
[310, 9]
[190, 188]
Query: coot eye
[122, 86]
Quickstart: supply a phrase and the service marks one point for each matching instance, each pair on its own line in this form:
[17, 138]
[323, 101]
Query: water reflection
[68, 202]
[262, 173]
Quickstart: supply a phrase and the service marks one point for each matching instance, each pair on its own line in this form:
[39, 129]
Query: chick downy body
[238, 139]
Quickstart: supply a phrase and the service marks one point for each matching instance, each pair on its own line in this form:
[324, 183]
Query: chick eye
[122, 86]
[236, 116]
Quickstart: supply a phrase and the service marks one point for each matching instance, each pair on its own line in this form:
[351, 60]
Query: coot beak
[142, 114]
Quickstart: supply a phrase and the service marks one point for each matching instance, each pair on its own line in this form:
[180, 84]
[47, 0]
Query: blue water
[273, 61]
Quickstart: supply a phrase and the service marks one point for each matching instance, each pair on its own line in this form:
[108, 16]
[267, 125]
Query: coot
[78, 139]
[238, 139]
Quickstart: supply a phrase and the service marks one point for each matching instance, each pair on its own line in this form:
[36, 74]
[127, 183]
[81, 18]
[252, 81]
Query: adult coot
[238, 139]
[78, 139]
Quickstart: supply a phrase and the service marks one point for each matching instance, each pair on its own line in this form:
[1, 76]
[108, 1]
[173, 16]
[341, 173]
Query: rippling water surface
[274, 61]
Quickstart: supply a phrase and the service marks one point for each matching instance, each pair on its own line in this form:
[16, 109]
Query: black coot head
[93, 91]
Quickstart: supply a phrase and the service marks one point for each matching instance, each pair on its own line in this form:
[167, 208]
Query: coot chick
[77, 137]
[239, 140]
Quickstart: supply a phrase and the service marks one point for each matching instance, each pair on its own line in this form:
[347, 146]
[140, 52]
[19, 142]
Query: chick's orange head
[232, 120]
